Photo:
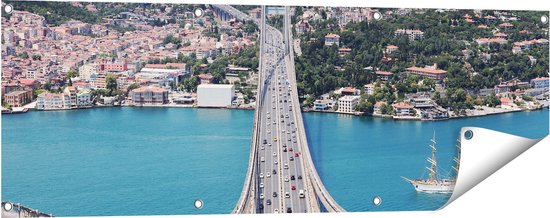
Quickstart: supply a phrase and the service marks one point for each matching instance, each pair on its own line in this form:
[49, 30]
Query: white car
[274, 154]
[275, 211]
[268, 175]
[286, 179]
[276, 162]
[261, 185]
[286, 166]
[261, 175]
[262, 196]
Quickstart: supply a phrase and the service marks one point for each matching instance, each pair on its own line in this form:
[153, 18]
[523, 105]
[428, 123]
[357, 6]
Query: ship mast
[433, 168]
[457, 158]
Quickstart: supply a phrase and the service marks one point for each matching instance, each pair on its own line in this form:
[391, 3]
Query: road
[280, 170]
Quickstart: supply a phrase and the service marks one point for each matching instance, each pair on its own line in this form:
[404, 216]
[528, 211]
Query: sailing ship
[434, 184]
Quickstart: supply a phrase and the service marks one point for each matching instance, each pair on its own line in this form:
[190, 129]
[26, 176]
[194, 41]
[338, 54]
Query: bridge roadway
[280, 166]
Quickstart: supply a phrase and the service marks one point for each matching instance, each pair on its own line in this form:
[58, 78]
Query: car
[275, 162]
[274, 172]
[302, 195]
[284, 145]
[268, 202]
[286, 179]
[287, 116]
[292, 177]
[269, 144]
[289, 139]
[296, 155]
[262, 159]
[283, 131]
[287, 124]
[267, 175]
[286, 166]
[261, 184]
[293, 187]
[262, 196]
[261, 175]
[274, 194]
[262, 147]
[294, 140]
[275, 139]
[291, 158]
[265, 141]
[292, 122]
[284, 150]
[287, 195]
[288, 210]
[290, 149]
[275, 154]
[275, 211]
[299, 176]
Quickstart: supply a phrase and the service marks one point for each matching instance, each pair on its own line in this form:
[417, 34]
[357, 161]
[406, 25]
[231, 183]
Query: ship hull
[433, 187]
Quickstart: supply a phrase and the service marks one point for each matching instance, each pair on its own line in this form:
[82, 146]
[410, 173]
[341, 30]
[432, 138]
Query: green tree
[111, 84]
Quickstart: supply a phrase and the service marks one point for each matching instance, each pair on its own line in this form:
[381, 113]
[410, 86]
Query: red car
[290, 149]
[296, 155]
[293, 187]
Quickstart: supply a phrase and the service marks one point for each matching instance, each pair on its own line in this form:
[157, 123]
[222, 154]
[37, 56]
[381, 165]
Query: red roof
[427, 70]
[332, 35]
[205, 76]
[402, 105]
[506, 25]
[384, 73]
[379, 104]
[348, 89]
[28, 82]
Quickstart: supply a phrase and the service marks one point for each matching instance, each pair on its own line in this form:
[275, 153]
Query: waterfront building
[149, 95]
[378, 107]
[71, 92]
[332, 39]
[540, 82]
[347, 104]
[83, 98]
[429, 71]
[422, 102]
[52, 101]
[403, 109]
[18, 98]
[323, 104]
[215, 95]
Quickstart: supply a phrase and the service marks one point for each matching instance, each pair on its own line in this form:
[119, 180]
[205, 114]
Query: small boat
[433, 184]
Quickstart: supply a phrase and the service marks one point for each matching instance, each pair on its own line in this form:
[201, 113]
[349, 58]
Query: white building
[215, 95]
[348, 103]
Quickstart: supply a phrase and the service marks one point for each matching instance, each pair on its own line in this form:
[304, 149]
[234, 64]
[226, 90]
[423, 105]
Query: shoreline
[389, 117]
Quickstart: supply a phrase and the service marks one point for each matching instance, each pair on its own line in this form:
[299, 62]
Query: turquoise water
[156, 161]
[359, 158]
